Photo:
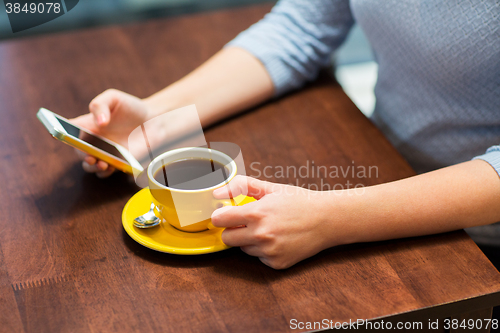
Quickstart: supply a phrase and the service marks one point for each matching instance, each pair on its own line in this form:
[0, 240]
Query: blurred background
[354, 66]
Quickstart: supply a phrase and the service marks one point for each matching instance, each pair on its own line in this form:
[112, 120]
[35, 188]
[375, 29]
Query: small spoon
[148, 220]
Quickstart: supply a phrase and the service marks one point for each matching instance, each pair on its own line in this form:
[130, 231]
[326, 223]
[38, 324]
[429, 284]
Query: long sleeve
[296, 39]
[492, 156]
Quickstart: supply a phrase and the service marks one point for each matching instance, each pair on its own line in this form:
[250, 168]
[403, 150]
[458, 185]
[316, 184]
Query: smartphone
[110, 152]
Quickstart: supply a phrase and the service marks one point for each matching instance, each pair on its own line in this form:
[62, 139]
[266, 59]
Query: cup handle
[156, 211]
[224, 203]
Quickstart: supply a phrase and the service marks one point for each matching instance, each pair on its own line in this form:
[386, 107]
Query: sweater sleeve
[492, 156]
[296, 39]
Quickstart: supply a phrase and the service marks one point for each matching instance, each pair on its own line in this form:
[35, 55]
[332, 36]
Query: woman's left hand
[284, 226]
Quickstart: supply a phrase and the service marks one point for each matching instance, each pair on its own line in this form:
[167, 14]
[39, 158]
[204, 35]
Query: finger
[91, 160]
[252, 250]
[81, 155]
[105, 174]
[101, 165]
[221, 210]
[85, 121]
[234, 216]
[266, 261]
[89, 168]
[245, 185]
[102, 105]
[236, 237]
[221, 218]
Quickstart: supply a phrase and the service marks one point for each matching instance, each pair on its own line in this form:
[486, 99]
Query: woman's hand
[286, 225]
[113, 115]
[229, 82]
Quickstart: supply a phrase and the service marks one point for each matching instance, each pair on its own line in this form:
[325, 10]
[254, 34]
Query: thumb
[102, 105]
[249, 186]
[85, 121]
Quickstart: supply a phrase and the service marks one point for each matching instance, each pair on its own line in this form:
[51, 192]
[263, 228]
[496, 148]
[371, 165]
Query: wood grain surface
[66, 264]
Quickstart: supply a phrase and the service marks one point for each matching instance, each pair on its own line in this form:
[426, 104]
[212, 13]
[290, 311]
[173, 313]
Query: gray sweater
[438, 88]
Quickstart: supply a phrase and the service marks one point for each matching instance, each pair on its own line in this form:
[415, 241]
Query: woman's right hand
[231, 81]
[114, 114]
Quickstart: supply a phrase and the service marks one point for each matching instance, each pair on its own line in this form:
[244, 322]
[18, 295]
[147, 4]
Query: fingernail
[90, 160]
[221, 211]
[101, 119]
[220, 191]
[102, 166]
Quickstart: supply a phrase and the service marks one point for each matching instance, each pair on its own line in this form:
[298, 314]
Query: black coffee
[192, 174]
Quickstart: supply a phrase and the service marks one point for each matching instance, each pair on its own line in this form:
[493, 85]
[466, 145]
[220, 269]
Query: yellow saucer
[166, 238]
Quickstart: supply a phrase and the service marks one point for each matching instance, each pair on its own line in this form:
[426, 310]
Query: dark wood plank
[50, 305]
[11, 322]
[66, 263]
[478, 321]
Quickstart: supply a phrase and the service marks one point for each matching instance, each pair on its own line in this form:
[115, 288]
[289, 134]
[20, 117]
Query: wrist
[163, 101]
[345, 216]
[155, 106]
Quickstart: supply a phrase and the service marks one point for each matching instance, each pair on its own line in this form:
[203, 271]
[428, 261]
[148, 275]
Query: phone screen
[90, 139]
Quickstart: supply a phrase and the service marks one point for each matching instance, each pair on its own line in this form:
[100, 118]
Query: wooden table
[66, 264]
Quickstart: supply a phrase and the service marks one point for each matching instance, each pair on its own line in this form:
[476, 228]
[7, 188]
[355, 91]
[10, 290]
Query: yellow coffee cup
[188, 210]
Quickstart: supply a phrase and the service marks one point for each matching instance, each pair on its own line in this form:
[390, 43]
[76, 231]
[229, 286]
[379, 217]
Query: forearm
[229, 82]
[456, 197]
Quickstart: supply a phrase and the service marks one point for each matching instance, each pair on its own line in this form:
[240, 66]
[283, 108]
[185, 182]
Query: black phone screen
[90, 139]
